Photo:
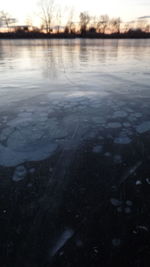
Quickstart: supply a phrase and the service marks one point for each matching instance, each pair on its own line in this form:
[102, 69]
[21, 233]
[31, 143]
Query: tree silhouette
[115, 25]
[102, 24]
[70, 23]
[84, 21]
[6, 20]
[46, 14]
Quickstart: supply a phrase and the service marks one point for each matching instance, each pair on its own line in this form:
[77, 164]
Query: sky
[126, 9]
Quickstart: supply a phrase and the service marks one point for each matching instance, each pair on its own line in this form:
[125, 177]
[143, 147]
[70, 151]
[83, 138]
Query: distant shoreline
[37, 35]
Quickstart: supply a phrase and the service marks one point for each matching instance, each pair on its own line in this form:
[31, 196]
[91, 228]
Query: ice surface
[44, 110]
[94, 115]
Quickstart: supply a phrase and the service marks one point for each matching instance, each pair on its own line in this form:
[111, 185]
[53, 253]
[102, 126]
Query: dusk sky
[127, 10]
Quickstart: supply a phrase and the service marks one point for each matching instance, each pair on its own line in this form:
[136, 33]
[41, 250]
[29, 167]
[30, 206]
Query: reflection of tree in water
[7, 52]
[60, 60]
[51, 61]
[1, 52]
[83, 52]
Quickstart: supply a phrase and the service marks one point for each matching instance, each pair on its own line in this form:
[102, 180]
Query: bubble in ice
[129, 203]
[107, 154]
[122, 140]
[143, 127]
[127, 210]
[120, 114]
[116, 242]
[97, 149]
[115, 202]
[64, 237]
[114, 125]
[126, 124]
[117, 159]
[10, 157]
[138, 182]
[19, 174]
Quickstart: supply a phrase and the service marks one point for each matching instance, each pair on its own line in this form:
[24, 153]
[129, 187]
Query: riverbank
[38, 35]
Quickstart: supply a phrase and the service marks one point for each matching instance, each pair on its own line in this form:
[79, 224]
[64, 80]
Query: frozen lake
[74, 141]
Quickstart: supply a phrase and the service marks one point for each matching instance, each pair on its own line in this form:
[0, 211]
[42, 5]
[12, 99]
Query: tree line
[52, 23]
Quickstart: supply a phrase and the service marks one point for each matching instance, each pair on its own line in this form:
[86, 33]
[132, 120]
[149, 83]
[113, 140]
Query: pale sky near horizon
[126, 9]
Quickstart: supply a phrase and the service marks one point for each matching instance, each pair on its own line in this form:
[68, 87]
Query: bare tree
[58, 19]
[28, 21]
[115, 25]
[142, 24]
[46, 14]
[127, 27]
[147, 28]
[102, 23]
[84, 21]
[70, 23]
[6, 20]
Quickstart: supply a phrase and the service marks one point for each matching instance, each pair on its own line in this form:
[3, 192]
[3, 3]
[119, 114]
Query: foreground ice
[36, 132]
